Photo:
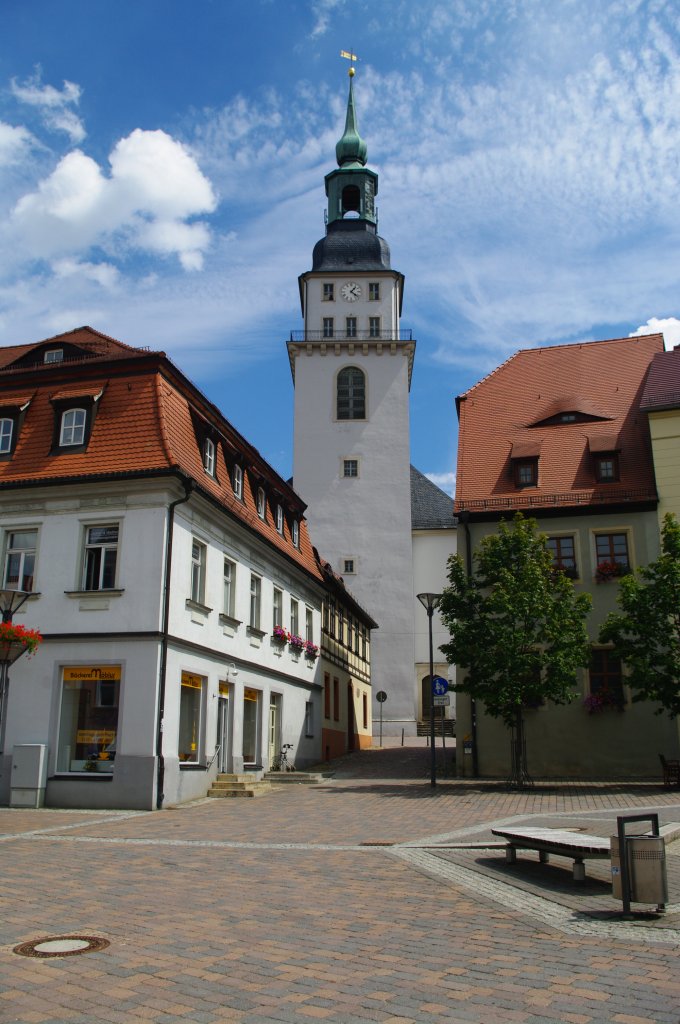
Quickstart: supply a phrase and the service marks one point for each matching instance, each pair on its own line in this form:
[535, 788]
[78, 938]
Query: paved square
[290, 908]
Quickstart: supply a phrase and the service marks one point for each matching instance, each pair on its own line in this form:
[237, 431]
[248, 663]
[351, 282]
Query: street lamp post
[429, 603]
[10, 650]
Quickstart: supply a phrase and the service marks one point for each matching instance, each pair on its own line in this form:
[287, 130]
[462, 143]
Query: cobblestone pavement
[292, 908]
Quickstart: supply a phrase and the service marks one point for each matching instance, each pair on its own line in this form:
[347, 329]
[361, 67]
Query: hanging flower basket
[16, 640]
[296, 642]
[280, 635]
[603, 700]
[311, 650]
[606, 571]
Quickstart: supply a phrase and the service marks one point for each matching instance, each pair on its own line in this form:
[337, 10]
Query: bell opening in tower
[351, 200]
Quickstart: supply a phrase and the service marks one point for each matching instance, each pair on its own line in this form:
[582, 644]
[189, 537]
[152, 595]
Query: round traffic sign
[381, 696]
[440, 686]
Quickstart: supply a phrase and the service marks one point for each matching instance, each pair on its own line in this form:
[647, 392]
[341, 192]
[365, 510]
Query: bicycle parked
[282, 762]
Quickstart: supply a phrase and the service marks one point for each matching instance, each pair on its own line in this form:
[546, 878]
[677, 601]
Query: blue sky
[162, 163]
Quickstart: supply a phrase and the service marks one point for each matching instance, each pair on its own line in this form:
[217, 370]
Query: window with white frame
[72, 427]
[328, 291]
[229, 587]
[309, 625]
[101, 556]
[190, 713]
[54, 355]
[348, 566]
[209, 456]
[6, 434]
[261, 503]
[350, 467]
[20, 560]
[295, 533]
[277, 608]
[294, 617]
[374, 326]
[350, 327]
[198, 560]
[255, 601]
[279, 518]
[237, 480]
[88, 720]
[328, 327]
[374, 290]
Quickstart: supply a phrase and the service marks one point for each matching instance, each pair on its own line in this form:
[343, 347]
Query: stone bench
[562, 843]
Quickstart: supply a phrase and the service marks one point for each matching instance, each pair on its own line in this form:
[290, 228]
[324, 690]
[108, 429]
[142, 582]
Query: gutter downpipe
[464, 518]
[160, 774]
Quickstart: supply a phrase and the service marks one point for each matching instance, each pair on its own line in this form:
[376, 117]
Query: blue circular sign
[440, 686]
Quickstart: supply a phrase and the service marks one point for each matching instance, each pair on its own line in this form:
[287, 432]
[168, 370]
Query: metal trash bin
[646, 860]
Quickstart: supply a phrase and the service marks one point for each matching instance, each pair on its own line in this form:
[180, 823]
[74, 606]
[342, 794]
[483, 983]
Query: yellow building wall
[665, 430]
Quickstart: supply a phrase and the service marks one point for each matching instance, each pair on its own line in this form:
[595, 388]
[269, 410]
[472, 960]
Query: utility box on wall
[29, 775]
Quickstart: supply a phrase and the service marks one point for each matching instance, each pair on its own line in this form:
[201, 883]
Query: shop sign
[91, 673]
[195, 682]
[91, 736]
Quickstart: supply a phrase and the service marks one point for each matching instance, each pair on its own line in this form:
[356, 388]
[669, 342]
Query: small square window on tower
[348, 566]
[350, 467]
[328, 292]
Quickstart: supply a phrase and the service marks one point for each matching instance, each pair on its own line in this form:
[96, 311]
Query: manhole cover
[61, 945]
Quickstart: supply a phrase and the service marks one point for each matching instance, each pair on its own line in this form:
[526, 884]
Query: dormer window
[72, 431]
[526, 472]
[261, 503]
[607, 468]
[6, 435]
[279, 519]
[209, 456]
[75, 409]
[296, 533]
[237, 481]
[54, 355]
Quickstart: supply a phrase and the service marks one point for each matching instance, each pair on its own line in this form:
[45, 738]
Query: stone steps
[305, 778]
[245, 785]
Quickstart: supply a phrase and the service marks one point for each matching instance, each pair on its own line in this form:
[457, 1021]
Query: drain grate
[62, 945]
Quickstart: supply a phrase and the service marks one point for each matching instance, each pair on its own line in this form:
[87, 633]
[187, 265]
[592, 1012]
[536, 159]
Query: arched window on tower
[351, 201]
[351, 394]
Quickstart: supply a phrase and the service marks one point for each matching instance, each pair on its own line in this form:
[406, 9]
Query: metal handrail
[210, 762]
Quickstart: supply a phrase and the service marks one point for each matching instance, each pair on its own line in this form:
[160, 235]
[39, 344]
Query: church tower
[352, 368]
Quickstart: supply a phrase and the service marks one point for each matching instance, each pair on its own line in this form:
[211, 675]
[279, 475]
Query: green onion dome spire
[351, 149]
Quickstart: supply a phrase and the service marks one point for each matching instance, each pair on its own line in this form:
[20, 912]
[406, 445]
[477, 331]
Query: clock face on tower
[351, 291]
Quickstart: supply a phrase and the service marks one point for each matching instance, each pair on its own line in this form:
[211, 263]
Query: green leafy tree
[517, 626]
[646, 632]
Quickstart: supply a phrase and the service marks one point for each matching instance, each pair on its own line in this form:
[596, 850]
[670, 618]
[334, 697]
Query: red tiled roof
[662, 390]
[498, 417]
[145, 423]
[93, 345]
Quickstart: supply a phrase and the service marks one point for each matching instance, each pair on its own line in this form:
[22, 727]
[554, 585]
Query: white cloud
[669, 327]
[155, 184]
[104, 274]
[14, 144]
[446, 481]
[322, 11]
[53, 104]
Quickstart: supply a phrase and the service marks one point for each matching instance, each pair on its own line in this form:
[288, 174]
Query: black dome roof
[351, 243]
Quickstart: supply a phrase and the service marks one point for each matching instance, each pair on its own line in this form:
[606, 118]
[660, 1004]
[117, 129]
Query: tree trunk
[519, 773]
